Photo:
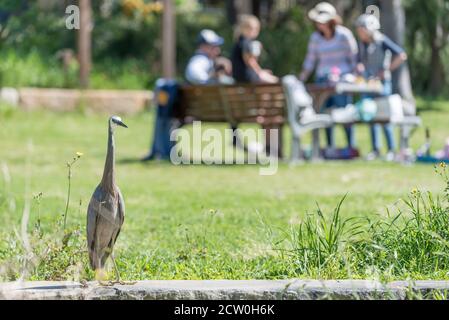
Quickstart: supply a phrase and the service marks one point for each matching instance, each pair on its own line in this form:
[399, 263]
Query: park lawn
[188, 222]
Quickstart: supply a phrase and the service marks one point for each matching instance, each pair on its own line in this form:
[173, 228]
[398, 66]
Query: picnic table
[322, 92]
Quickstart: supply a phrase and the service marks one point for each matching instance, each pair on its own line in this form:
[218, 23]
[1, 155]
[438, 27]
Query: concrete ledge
[225, 290]
[106, 101]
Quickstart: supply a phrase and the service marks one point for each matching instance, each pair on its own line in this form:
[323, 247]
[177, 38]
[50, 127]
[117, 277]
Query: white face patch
[116, 119]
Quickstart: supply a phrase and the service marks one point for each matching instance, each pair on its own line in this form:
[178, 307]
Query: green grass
[200, 222]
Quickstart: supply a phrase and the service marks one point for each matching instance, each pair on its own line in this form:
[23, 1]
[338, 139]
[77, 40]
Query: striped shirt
[339, 52]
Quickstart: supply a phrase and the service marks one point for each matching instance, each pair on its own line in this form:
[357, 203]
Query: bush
[37, 70]
[413, 243]
[127, 48]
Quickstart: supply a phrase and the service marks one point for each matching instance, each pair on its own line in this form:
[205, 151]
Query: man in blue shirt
[378, 57]
[201, 67]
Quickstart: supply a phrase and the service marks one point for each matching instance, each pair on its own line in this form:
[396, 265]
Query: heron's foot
[128, 283]
[106, 283]
[116, 282]
[84, 283]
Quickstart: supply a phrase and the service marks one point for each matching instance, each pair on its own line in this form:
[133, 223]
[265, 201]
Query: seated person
[245, 64]
[379, 56]
[246, 51]
[201, 67]
[223, 71]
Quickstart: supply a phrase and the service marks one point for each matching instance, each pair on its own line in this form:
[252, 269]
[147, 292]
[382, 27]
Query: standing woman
[332, 53]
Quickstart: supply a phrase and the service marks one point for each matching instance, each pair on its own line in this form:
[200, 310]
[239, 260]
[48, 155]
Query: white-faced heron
[106, 212]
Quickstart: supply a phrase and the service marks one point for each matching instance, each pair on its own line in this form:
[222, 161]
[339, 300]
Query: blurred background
[129, 43]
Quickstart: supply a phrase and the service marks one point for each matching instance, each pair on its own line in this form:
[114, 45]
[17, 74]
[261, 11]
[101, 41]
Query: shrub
[412, 243]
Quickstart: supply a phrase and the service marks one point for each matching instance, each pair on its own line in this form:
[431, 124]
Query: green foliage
[319, 244]
[412, 243]
[32, 70]
[37, 70]
[427, 38]
[126, 48]
[126, 41]
[30, 27]
[285, 42]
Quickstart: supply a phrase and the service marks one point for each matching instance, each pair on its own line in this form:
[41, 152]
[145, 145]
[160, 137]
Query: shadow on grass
[130, 161]
[430, 105]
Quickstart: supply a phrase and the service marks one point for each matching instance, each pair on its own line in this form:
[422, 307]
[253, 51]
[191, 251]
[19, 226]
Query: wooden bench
[271, 106]
[262, 104]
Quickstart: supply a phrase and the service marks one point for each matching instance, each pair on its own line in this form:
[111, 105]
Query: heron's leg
[101, 277]
[106, 283]
[117, 272]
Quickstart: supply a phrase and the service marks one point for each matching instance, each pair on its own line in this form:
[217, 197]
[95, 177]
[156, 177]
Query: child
[246, 51]
[245, 65]
[379, 56]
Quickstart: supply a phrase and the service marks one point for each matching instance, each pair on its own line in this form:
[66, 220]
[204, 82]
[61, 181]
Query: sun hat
[369, 22]
[209, 37]
[323, 13]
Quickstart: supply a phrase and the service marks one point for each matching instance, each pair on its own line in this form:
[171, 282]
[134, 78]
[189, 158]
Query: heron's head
[115, 120]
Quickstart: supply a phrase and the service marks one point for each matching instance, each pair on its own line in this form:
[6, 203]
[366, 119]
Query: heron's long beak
[120, 123]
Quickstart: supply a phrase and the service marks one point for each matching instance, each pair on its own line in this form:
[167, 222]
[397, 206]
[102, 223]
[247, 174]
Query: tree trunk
[394, 25]
[231, 12]
[263, 10]
[243, 6]
[85, 42]
[437, 77]
[260, 8]
[169, 40]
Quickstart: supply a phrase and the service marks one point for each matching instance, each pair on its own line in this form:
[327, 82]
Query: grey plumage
[106, 211]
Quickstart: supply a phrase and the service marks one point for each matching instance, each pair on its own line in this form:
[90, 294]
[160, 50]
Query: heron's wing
[120, 215]
[92, 218]
[121, 207]
[92, 222]
[102, 226]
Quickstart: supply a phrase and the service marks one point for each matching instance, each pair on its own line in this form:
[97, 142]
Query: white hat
[323, 13]
[207, 36]
[368, 21]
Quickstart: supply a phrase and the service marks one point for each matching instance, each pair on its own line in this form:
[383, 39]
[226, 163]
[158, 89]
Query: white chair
[301, 115]
[397, 111]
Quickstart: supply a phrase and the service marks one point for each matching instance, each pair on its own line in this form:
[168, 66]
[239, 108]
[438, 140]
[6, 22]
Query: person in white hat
[378, 57]
[332, 53]
[201, 67]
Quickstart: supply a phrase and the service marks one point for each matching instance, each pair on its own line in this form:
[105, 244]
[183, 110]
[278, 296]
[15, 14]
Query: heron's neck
[108, 181]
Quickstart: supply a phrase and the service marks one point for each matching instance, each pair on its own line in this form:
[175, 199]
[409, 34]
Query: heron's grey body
[106, 211]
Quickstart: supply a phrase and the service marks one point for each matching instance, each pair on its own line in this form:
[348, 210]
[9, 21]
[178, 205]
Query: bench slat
[261, 103]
